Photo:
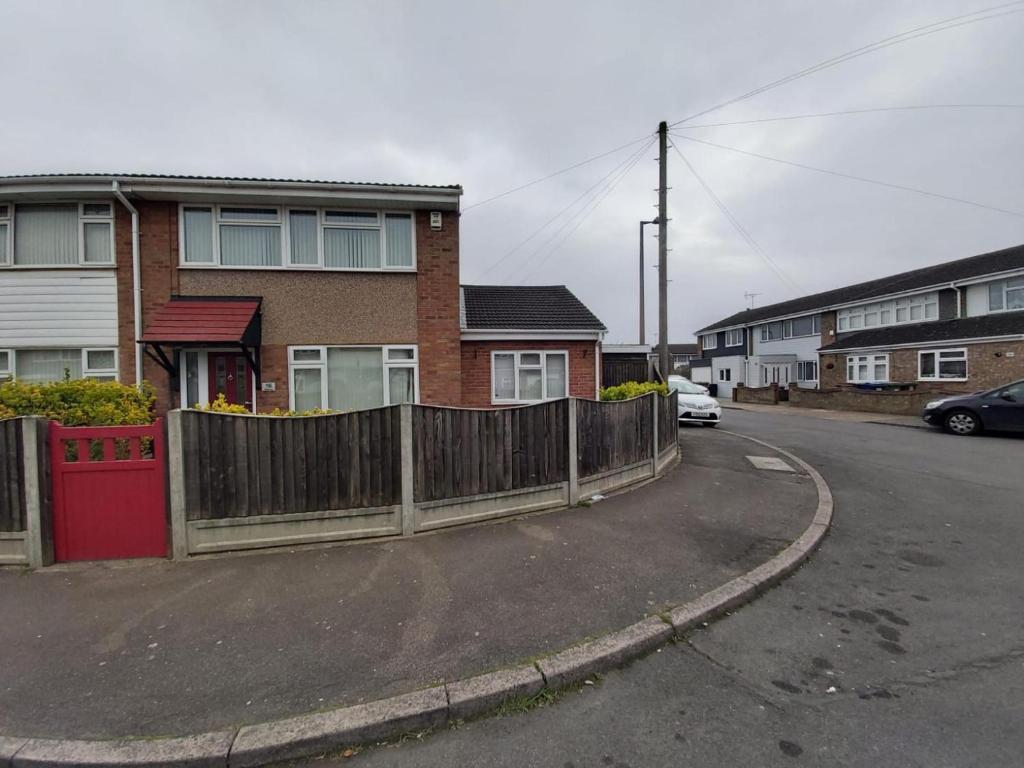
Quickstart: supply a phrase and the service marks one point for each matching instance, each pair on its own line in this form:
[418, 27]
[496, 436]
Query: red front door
[231, 376]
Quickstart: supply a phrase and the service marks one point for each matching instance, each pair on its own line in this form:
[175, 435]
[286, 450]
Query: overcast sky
[492, 96]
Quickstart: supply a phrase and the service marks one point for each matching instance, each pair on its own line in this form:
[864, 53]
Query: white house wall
[58, 308]
[735, 364]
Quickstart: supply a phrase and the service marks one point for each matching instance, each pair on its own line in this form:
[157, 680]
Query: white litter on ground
[769, 462]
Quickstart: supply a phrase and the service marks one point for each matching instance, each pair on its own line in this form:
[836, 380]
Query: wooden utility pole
[664, 363]
[643, 277]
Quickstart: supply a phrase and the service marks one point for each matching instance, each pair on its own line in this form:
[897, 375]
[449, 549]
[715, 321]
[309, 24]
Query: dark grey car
[1000, 409]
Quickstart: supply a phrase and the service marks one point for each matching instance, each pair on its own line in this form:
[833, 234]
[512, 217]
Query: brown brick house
[277, 293]
[523, 344]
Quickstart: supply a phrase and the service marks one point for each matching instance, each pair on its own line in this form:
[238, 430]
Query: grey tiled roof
[983, 326]
[947, 272]
[526, 307]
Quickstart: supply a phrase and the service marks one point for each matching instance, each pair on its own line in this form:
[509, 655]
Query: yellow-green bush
[79, 402]
[631, 389]
[221, 405]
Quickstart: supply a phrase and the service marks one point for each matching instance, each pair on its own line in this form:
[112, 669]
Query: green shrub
[79, 402]
[631, 389]
[221, 405]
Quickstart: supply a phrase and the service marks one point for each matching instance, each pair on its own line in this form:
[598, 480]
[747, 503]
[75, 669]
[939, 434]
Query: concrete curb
[322, 732]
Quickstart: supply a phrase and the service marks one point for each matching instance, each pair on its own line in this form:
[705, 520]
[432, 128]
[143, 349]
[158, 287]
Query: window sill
[943, 380]
[300, 268]
[29, 267]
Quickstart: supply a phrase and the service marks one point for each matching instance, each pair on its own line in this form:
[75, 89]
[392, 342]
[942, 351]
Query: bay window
[862, 369]
[38, 366]
[352, 378]
[942, 365]
[308, 238]
[1006, 294]
[525, 377]
[57, 234]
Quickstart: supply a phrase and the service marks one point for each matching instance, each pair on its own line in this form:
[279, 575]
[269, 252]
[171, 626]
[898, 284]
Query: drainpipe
[136, 279]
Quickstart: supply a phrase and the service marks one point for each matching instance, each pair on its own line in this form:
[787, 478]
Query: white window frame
[1004, 289]
[87, 372]
[938, 373]
[725, 374]
[729, 336]
[284, 222]
[7, 373]
[542, 366]
[8, 219]
[92, 373]
[801, 366]
[855, 318]
[871, 360]
[704, 341]
[11, 220]
[321, 365]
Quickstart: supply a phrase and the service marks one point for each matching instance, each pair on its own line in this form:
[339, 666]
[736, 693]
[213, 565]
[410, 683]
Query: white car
[695, 405]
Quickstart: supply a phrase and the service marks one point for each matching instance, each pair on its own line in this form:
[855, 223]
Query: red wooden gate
[109, 498]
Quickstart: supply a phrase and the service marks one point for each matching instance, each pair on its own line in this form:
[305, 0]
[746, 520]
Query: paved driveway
[900, 644]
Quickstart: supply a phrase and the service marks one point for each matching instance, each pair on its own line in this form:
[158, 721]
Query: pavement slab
[162, 649]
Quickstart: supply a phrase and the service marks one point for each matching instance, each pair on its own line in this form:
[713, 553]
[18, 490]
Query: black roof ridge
[864, 290]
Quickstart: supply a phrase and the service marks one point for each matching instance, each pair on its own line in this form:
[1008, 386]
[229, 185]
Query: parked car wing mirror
[1008, 397]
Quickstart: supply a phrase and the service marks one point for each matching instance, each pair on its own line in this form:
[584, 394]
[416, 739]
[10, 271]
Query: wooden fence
[460, 453]
[612, 435]
[668, 421]
[12, 477]
[242, 466]
[615, 372]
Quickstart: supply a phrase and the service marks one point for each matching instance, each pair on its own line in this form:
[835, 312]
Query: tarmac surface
[159, 648]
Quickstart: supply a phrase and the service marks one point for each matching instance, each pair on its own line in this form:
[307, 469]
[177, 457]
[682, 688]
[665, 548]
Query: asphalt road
[900, 644]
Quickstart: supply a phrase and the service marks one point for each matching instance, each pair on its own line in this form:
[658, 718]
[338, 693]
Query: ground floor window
[942, 364]
[352, 378]
[867, 368]
[806, 370]
[725, 374]
[528, 377]
[38, 366]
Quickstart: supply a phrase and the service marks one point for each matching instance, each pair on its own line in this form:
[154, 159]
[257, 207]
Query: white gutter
[136, 279]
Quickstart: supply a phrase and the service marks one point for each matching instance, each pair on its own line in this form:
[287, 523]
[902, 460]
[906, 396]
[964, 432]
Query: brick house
[952, 327]
[522, 344]
[277, 293]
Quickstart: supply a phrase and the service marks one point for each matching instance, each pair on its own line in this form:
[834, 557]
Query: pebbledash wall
[303, 307]
[584, 363]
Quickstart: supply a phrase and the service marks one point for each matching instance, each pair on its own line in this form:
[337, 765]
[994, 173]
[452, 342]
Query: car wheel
[962, 423]
[711, 424]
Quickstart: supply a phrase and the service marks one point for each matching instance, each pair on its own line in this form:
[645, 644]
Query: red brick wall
[437, 310]
[476, 367]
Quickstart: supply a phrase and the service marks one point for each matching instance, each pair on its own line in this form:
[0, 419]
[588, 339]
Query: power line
[852, 177]
[558, 173]
[558, 215]
[901, 37]
[584, 214]
[754, 246]
[855, 112]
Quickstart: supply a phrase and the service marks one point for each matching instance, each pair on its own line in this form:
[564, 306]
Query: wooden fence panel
[614, 434]
[242, 466]
[12, 477]
[615, 372]
[668, 420]
[458, 453]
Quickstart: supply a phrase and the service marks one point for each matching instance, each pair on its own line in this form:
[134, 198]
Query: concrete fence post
[408, 473]
[654, 434]
[574, 464]
[35, 432]
[176, 486]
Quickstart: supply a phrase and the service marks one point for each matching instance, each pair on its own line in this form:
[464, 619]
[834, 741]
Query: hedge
[630, 389]
[79, 402]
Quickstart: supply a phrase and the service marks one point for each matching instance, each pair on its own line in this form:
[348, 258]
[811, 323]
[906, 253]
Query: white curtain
[307, 388]
[401, 385]
[41, 365]
[355, 379]
[97, 243]
[46, 234]
[504, 375]
[398, 236]
[530, 384]
[248, 246]
[302, 234]
[352, 248]
[198, 235]
[555, 372]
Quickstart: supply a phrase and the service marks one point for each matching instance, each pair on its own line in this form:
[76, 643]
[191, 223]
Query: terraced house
[275, 293]
[952, 327]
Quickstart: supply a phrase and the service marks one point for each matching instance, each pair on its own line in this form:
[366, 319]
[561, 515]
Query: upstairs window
[909, 309]
[251, 237]
[734, 338]
[57, 234]
[709, 341]
[1006, 294]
